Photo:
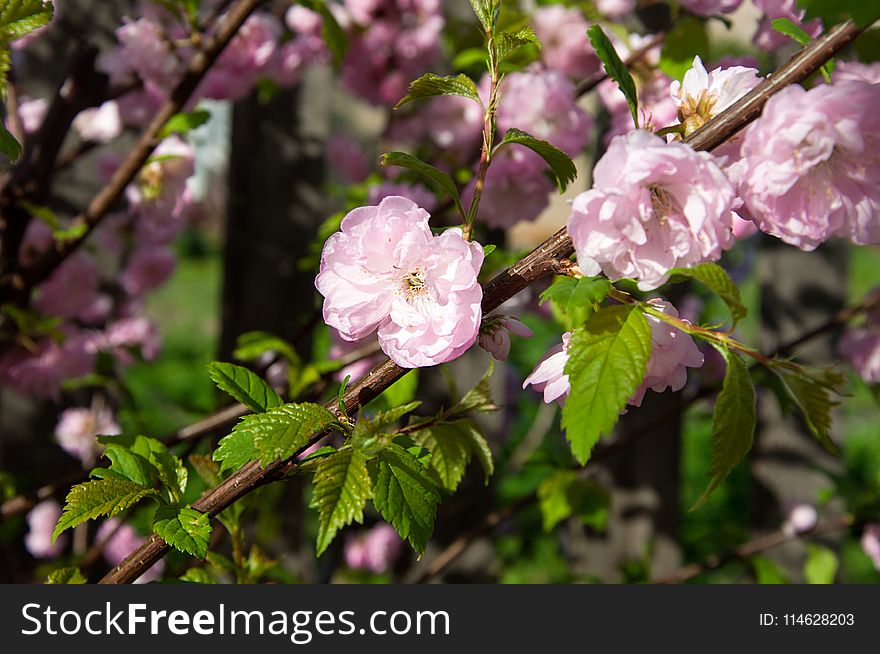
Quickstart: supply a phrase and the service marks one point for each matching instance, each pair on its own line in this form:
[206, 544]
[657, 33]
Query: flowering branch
[543, 261]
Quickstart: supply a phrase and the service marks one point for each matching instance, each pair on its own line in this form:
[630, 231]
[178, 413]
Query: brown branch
[22, 281]
[755, 546]
[534, 266]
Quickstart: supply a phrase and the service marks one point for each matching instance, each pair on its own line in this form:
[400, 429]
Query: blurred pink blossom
[148, 268]
[100, 124]
[870, 543]
[120, 540]
[71, 288]
[78, 427]
[41, 523]
[711, 7]
[768, 38]
[347, 158]
[374, 551]
[42, 372]
[564, 43]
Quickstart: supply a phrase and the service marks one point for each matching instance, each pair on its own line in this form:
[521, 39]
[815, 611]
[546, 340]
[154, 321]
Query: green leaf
[342, 488]
[733, 422]
[185, 122]
[197, 576]
[508, 43]
[405, 495]
[252, 345]
[564, 494]
[478, 445]
[333, 34]
[686, 40]
[821, 565]
[813, 399]
[185, 529]
[615, 68]
[487, 13]
[430, 85]
[19, 17]
[205, 468]
[608, 357]
[452, 444]
[560, 163]
[767, 571]
[479, 398]
[9, 145]
[794, 32]
[66, 576]
[716, 279]
[129, 465]
[236, 449]
[172, 473]
[99, 497]
[245, 386]
[442, 179]
[283, 431]
[403, 391]
[575, 300]
[862, 12]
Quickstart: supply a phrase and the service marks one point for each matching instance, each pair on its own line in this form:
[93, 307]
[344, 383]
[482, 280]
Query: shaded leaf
[565, 494]
[716, 279]
[436, 175]
[686, 40]
[185, 122]
[245, 386]
[9, 145]
[66, 576]
[575, 300]
[561, 165]
[479, 398]
[100, 497]
[615, 68]
[813, 398]
[342, 488]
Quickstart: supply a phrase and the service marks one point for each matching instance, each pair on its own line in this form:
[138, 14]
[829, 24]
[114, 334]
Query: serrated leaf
[575, 300]
[862, 12]
[342, 488]
[185, 122]
[172, 473]
[19, 17]
[436, 175]
[561, 165]
[280, 432]
[130, 465]
[733, 422]
[479, 398]
[9, 145]
[813, 399]
[245, 386]
[236, 449]
[716, 279]
[821, 565]
[66, 576]
[615, 68]
[478, 445]
[565, 494]
[608, 357]
[487, 13]
[197, 576]
[452, 444]
[184, 529]
[508, 43]
[405, 495]
[687, 39]
[100, 497]
[430, 85]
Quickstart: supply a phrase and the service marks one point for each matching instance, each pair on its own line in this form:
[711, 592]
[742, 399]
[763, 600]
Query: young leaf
[197, 576]
[245, 386]
[478, 445]
[172, 473]
[66, 576]
[733, 422]
[252, 345]
[686, 40]
[19, 17]
[450, 452]
[576, 299]
[715, 278]
[508, 43]
[442, 179]
[565, 494]
[405, 495]
[615, 68]
[235, 449]
[185, 529]
[814, 402]
[281, 432]
[479, 398]
[430, 85]
[8, 143]
[185, 122]
[794, 32]
[560, 163]
[128, 465]
[607, 362]
[93, 499]
[487, 13]
[342, 488]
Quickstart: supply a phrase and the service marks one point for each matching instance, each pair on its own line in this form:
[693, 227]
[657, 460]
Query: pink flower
[41, 523]
[516, 188]
[809, 165]
[672, 353]
[375, 551]
[615, 8]
[543, 104]
[160, 195]
[42, 372]
[454, 124]
[120, 540]
[147, 269]
[495, 335]
[860, 347]
[100, 124]
[870, 543]
[246, 58]
[549, 376]
[71, 289]
[711, 7]
[347, 159]
[132, 333]
[653, 206]
[146, 50]
[386, 271]
[564, 43]
[769, 39]
[415, 192]
[31, 112]
[856, 71]
[77, 429]
[801, 518]
[303, 21]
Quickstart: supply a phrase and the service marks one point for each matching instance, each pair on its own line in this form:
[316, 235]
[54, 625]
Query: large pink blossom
[810, 167]
[41, 523]
[549, 376]
[672, 353]
[768, 38]
[856, 71]
[564, 43]
[374, 551]
[78, 427]
[71, 289]
[386, 271]
[711, 7]
[653, 206]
